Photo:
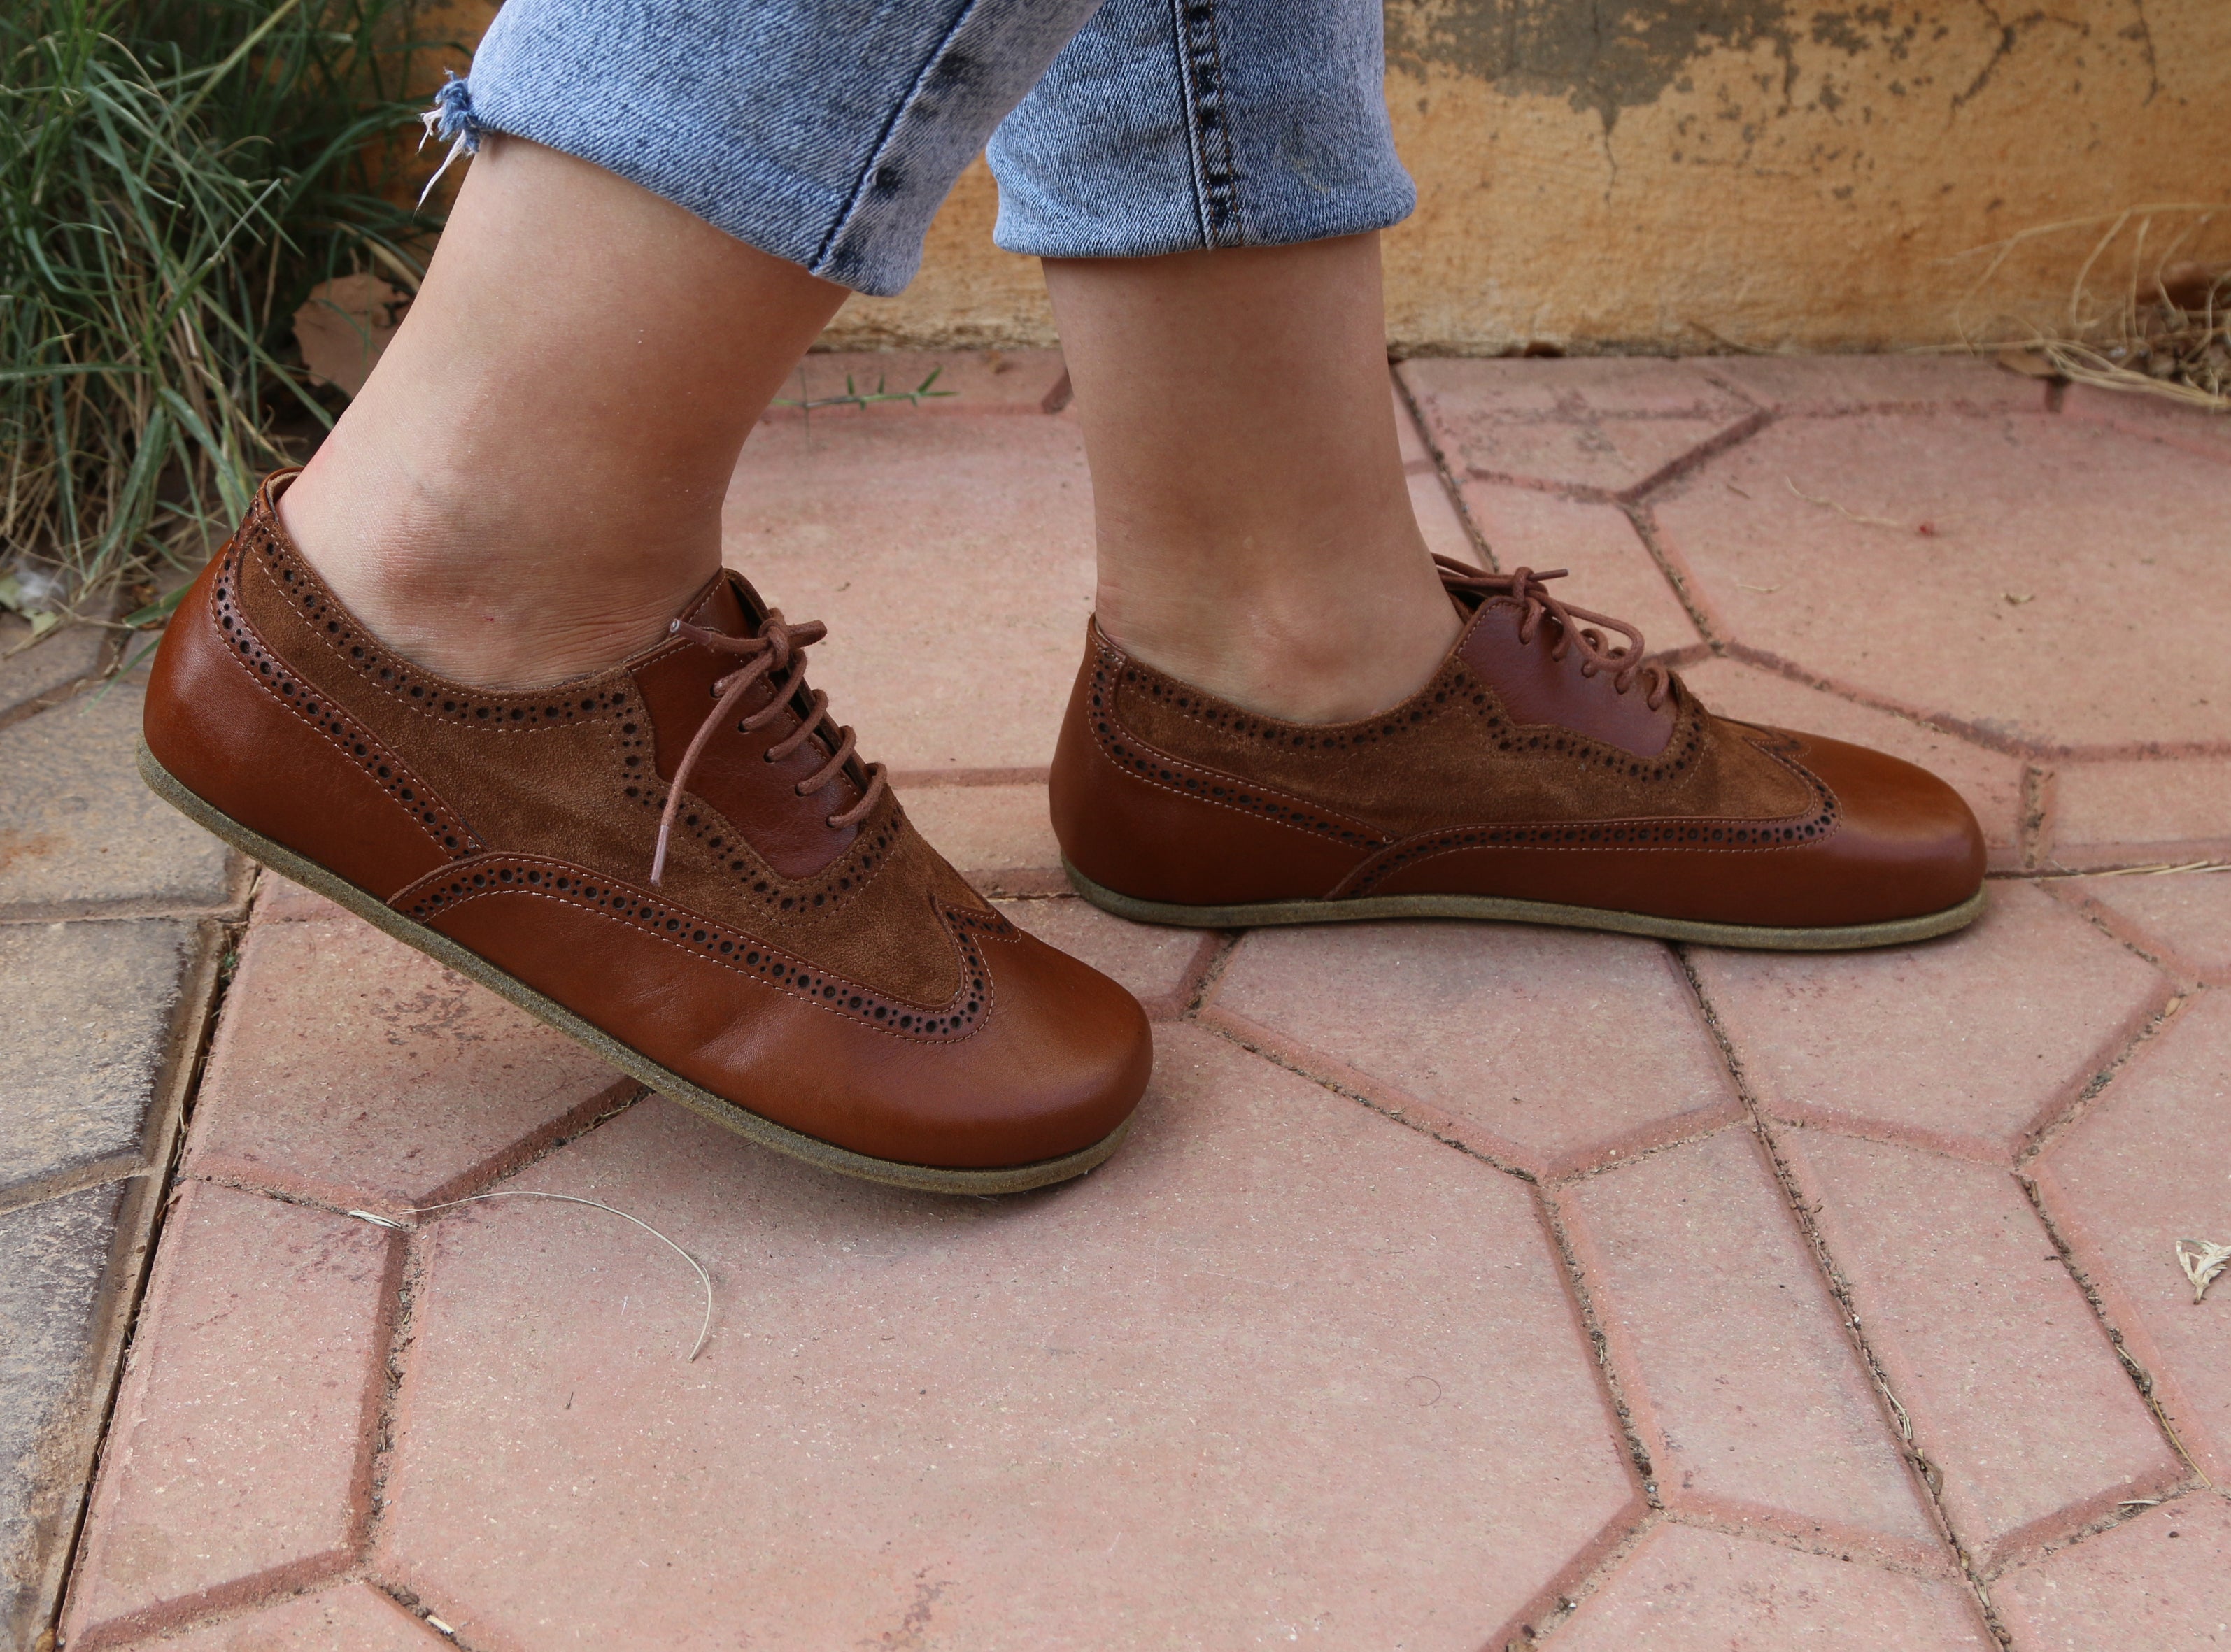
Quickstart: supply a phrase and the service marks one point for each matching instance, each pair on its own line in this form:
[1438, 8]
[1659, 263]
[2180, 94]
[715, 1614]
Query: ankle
[1295, 654]
[489, 591]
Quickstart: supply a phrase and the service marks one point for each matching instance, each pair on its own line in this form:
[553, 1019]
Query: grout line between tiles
[1541, 1617]
[1559, 1224]
[1695, 458]
[904, 780]
[1451, 489]
[410, 1601]
[1931, 1477]
[201, 1005]
[2044, 1136]
[1677, 574]
[1730, 1518]
[1233, 1035]
[2133, 1367]
[381, 1441]
[2035, 829]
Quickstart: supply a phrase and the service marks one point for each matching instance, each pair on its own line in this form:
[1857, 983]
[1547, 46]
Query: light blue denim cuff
[1173, 126]
[828, 131]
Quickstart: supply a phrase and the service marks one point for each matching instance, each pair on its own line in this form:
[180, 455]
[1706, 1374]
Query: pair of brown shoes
[682, 861]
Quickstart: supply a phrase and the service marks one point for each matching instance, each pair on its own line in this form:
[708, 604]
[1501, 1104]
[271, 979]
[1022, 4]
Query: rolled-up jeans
[828, 131]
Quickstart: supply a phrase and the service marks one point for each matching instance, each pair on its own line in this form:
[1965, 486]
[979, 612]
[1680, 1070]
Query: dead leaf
[2201, 1263]
[2030, 364]
[2015, 599]
[343, 327]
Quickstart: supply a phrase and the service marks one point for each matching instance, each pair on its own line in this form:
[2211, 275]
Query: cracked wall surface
[1689, 175]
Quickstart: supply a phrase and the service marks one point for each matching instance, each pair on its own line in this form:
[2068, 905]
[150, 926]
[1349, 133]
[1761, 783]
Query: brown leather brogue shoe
[1542, 775]
[681, 861]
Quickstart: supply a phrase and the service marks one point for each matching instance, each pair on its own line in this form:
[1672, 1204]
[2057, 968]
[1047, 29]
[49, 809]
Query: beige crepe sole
[1254, 915]
[927, 1179]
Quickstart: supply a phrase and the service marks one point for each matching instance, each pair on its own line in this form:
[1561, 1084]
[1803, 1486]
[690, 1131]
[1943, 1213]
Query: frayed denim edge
[450, 121]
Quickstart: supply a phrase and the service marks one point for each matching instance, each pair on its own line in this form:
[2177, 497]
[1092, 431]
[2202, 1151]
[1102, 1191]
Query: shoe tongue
[726, 603]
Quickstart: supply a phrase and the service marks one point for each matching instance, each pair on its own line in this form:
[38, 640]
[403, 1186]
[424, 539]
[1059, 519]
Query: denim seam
[888, 140]
[1208, 122]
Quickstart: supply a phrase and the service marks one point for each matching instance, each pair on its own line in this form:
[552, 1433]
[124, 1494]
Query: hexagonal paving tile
[354, 1071]
[27, 671]
[2012, 1390]
[2161, 1581]
[999, 837]
[2140, 812]
[1759, 1408]
[1281, 1368]
[2144, 1169]
[2183, 916]
[1159, 967]
[80, 831]
[280, 900]
[952, 560]
[1973, 1042]
[1990, 781]
[1686, 1590]
[1602, 425]
[1444, 532]
[1610, 570]
[59, 1328]
[237, 1462]
[1998, 618]
[1545, 1048]
[93, 1013]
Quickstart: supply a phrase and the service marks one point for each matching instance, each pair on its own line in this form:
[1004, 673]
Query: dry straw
[2149, 310]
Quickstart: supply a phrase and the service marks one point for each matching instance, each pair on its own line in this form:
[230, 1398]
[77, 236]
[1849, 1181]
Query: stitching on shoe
[1167, 773]
[1455, 684]
[446, 891]
[245, 646]
[822, 896]
[1710, 836]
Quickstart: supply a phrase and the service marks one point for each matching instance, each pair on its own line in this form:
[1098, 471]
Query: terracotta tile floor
[1461, 1287]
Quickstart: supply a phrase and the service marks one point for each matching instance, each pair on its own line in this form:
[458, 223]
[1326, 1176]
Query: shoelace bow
[776, 655]
[1625, 664]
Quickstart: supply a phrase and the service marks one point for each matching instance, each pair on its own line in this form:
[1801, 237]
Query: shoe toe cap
[1906, 843]
[1059, 1063]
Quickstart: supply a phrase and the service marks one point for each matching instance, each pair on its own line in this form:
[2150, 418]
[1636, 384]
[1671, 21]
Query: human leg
[671, 849]
[530, 485]
[1286, 711]
[670, 206]
[1245, 477]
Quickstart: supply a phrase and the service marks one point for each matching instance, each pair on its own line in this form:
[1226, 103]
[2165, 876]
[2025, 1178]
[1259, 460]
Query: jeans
[828, 131]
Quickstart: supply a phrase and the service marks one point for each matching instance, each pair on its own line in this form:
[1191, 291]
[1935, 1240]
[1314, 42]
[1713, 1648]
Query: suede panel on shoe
[498, 756]
[1538, 765]
[808, 958]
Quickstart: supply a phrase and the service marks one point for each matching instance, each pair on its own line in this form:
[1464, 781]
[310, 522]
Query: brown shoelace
[776, 655]
[1625, 664]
